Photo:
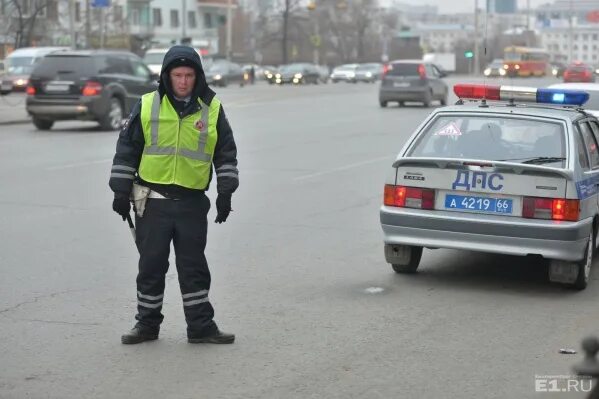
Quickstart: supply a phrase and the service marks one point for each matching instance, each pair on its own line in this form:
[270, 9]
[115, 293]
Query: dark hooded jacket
[130, 144]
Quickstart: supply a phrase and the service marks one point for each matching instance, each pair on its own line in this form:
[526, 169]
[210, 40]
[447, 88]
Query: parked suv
[412, 81]
[95, 85]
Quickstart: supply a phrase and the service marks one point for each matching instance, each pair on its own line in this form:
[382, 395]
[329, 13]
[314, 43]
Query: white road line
[76, 165]
[343, 168]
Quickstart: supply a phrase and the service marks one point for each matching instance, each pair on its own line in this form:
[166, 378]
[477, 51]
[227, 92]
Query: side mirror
[443, 74]
[5, 88]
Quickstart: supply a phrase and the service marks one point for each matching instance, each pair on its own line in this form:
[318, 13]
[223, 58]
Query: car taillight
[92, 89]
[385, 69]
[566, 74]
[551, 208]
[409, 197]
[30, 90]
[421, 71]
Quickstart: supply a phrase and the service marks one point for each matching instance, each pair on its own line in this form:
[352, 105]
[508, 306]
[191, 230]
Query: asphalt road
[298, 273]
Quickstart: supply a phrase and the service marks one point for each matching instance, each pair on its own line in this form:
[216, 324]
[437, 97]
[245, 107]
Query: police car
[507, 170]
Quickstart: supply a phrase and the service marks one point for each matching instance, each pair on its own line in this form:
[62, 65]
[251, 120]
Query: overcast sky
[453, 6]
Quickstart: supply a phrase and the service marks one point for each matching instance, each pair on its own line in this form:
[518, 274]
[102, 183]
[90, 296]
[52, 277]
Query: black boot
[138, 335]
[217, 338]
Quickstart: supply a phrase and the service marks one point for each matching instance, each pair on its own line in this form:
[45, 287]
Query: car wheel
[43, 124]
[574, 275]
[584, 267]
[383, 104]
[224, 83]
[428, 97]
[401, 104]
[412, 265]
[443, 100]
[114, 118]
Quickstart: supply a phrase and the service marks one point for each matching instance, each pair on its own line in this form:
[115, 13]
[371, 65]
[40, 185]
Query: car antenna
[483, 103]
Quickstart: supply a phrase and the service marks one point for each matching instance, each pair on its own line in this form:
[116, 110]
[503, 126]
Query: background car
[557, 69]
[20, 63]
[94, 85]
[154, 59]
[495, 68]
[579, 72]
[415, 80]
[222, 73]
[369, 73]
[344, 73]
[297, 74]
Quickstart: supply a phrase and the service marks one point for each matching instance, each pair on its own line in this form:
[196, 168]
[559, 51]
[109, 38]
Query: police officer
[169, 144]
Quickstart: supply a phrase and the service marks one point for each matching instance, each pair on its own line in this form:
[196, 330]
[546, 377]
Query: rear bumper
[496, 234]
[402, 94]
[83, 108]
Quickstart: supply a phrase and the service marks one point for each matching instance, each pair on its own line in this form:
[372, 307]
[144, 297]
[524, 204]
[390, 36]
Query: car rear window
[491, 138]
[67, 67]
[403, 69]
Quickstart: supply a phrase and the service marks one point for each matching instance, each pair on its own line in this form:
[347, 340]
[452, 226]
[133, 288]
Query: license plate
[401, 84]
[57, 88]
[479, 204]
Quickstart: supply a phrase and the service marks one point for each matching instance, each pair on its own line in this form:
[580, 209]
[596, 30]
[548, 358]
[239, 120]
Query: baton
[131, 226]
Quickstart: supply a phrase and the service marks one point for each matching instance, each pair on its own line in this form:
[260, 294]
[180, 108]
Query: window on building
[174, 18]
[157, 16]
[134, 17]
[52, 11]
[208, 21]
[77, 11]
[575, 47]
[191, 18]
[585, 47]
[594, 47]
[595, 36]
[594, 57]
[118, 13]
[585, 37]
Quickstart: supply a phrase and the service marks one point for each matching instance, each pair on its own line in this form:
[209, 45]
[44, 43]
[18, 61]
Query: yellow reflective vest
[177, 151]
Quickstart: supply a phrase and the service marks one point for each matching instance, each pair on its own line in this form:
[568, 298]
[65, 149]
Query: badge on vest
[199, 124]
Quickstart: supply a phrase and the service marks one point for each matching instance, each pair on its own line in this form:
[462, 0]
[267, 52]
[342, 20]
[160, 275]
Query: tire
[584, 266]
[224, 83]
[383, 104]
[401, 104]
[414, 262]
[42, 124]
[443, 100]
[428, 97]
[114, 118]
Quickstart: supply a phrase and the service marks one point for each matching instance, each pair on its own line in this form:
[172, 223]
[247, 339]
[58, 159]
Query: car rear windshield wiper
[541, 160]
[535, 160]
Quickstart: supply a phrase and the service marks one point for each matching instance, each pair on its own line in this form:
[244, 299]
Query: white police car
[499, 175]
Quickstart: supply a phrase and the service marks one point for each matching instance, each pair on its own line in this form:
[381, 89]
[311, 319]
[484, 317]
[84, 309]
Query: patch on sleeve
[449, 130]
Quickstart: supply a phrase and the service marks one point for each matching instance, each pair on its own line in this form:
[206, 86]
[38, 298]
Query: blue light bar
[562, 97]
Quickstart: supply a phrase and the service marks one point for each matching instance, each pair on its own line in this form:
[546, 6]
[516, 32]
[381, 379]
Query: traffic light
[469, 54]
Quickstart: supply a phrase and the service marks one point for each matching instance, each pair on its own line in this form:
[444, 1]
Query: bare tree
[24, 13]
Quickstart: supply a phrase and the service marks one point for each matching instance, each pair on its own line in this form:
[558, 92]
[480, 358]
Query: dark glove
[223, 207]
[121, 205]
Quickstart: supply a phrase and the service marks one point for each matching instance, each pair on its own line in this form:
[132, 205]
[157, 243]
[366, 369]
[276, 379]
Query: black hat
[179, 62]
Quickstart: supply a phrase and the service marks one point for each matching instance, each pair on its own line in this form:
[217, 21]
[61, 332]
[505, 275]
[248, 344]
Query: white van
[20, 63]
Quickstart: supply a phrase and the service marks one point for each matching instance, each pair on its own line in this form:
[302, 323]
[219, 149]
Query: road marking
[76, 165]
[342, 168]
[374, 290]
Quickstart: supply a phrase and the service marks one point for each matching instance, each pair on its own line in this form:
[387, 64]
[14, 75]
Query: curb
[15, 122]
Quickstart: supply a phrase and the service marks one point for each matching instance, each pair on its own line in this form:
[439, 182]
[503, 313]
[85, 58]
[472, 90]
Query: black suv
[96, 85]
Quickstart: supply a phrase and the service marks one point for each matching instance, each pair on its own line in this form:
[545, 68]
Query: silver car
[500, 178]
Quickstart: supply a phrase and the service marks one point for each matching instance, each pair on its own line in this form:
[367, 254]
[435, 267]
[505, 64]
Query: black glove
[223, 207]
[121, 205]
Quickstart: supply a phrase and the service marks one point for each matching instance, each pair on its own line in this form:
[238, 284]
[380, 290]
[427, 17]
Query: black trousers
[184, 222]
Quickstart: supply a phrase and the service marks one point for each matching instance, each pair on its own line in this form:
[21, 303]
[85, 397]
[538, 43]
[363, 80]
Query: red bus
[525, 61]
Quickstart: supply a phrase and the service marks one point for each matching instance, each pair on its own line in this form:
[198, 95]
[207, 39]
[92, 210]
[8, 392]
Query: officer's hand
[223, 207]
[121, 205]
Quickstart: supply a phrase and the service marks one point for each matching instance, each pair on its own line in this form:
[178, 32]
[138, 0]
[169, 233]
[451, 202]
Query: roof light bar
[521, 94]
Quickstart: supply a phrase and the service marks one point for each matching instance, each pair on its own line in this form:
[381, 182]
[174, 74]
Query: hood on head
[182, 56]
